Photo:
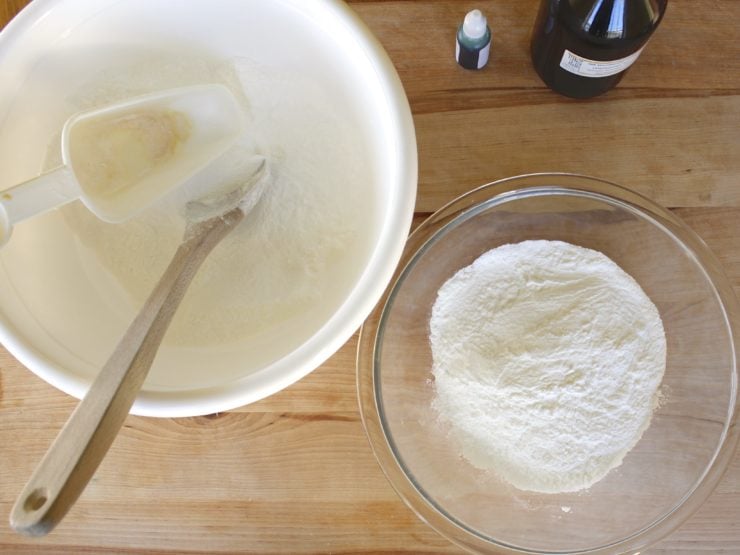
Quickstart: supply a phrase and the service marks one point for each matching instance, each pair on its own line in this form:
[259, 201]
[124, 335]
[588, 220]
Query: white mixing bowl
[61, 313]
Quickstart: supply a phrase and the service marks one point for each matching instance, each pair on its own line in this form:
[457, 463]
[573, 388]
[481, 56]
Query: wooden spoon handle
[75, 454]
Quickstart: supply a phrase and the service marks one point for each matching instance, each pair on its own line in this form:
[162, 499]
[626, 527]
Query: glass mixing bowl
[692, 435]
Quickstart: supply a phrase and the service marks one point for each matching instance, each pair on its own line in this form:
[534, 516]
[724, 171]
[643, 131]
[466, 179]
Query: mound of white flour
[547, 358]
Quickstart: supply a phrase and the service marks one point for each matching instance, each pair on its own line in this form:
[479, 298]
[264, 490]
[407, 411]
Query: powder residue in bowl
[290, 264]
[547, 358]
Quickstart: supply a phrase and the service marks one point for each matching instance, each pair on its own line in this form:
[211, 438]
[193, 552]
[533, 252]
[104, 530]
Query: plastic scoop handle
[36, 196]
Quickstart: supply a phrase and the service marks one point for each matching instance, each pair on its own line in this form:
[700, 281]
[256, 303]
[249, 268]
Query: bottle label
[595, 68]
[472, 58]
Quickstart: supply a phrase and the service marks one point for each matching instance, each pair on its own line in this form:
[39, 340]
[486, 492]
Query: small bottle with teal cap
[473, 41]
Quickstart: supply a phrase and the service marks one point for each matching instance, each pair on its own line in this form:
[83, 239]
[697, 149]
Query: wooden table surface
[294, 473]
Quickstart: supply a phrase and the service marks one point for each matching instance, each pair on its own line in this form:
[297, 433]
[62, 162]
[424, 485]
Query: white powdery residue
[547, 358]
[296, 256]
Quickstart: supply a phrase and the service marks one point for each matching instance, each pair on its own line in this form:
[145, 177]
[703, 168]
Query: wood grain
[294, 473]
[8, 9]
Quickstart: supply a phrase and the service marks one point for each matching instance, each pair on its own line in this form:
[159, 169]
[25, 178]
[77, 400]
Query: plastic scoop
[120, 159]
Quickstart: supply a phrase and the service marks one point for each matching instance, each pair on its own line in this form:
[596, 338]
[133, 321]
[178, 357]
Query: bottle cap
[474, 25]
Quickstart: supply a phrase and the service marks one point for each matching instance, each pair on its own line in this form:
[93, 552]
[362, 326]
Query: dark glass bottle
[582, 48]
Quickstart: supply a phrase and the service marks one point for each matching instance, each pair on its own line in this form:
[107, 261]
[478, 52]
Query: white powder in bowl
[273, 281]
[547, 358]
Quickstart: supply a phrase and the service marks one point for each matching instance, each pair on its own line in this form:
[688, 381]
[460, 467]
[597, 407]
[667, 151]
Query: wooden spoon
[75, 454]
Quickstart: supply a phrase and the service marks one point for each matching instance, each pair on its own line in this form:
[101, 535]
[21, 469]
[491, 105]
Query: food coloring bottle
[473, 41]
